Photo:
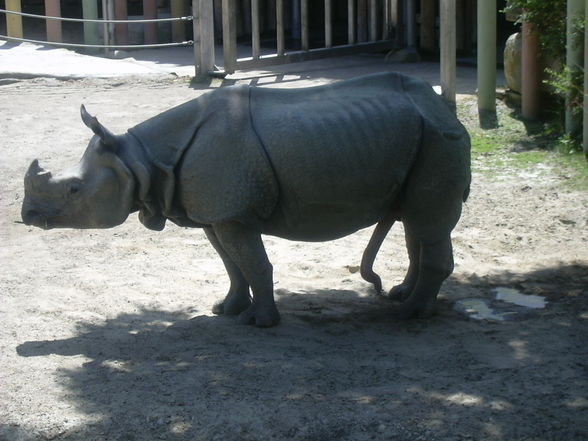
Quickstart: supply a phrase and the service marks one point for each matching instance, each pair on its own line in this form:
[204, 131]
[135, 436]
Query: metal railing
[105, 22]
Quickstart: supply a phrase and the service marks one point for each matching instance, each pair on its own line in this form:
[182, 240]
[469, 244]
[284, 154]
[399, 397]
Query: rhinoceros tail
[371, 251]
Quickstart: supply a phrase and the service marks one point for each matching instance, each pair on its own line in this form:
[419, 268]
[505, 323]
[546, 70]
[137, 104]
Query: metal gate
[368, 29]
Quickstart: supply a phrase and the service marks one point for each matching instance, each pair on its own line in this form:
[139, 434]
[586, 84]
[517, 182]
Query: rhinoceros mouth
[36, 219]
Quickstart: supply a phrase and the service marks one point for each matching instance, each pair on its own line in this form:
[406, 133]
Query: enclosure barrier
[361, 37]
[107, 31]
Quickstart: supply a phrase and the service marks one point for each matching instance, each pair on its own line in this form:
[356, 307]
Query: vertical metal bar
[304, 24]
[351, 21]
[448, 52]
[229, 35]
[486, 56]
[121, 30]
[150, 12]
[14, 22]
[373, 21]
[53, 9]
[280, 26]
[91, 30]
[255, 44]
[177, 9]
[328, 24]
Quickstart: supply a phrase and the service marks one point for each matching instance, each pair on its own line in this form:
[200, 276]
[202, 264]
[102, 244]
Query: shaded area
[338, 368]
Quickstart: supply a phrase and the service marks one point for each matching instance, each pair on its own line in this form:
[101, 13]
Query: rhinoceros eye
[74, 187]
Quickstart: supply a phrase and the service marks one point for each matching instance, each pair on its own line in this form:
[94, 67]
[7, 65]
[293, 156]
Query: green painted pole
[14, 22]
[90, 12]
[487, 56]
[574, 54]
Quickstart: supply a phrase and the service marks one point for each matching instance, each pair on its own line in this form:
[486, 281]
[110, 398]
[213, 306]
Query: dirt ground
[109, 335]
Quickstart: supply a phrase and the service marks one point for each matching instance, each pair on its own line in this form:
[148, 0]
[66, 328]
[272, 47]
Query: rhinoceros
[309, 164]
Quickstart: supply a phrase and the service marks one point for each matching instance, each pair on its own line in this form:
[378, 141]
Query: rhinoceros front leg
[402, 292]
[245, 249]
[238, 298]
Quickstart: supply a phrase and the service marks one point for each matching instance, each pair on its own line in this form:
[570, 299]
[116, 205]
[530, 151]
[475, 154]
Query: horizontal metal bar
[313, 54]
[82, 20]
[100, 46]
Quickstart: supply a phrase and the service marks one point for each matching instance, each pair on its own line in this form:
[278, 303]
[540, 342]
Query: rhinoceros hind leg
[435, 265]
[402, 292]
[245, 249]
[238, 298]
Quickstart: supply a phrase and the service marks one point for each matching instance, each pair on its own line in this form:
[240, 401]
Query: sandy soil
[108, 335]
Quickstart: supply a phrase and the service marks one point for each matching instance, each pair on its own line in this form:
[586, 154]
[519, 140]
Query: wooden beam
[53, 9]
[280, 44]
[90, 12]
[177, 9]
[203, 24]
[121, 30]
[585, 122]
[428, 25]
[14, 22]
[255, 41]
[448, 50]
[530, 73]
[328, 24]
[574, 53]
[150, 12]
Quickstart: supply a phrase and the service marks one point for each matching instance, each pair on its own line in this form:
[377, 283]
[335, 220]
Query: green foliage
[549, 18]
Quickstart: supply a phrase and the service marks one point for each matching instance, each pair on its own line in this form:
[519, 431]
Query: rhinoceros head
[96, 193]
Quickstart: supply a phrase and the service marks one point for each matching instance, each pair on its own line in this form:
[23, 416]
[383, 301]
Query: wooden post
[350, 21]
[108, 14]
[328, 24]
[304, 25]
[150, 12]
[280, 43]
[14, 22]
[229, 35]
[574, 53]
[410, 15]
[121, 30]
[362, 20]
[585, 141]
[90, 12]
[373, 20]
[203, 25]
[448, 52]
[530, 73]
[486, 56]
[255, 42]
[177, 9]
[53, 9]
[428, 25]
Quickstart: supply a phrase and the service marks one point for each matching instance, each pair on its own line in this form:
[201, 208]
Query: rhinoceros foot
[416, 309]
[233, 304]
[263, 316]
[400, 292]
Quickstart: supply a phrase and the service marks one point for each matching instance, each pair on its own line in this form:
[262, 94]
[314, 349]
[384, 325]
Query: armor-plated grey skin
[309, 164]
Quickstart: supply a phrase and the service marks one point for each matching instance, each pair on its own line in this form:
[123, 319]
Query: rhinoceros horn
[92, 122]
[37, 174]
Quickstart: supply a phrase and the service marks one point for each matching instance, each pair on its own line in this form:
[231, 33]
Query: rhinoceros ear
[92, 122]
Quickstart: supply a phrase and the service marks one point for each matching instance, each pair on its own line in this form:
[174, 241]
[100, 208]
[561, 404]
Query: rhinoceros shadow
[337, 367]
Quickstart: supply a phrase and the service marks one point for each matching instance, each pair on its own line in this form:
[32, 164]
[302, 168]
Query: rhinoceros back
[341, 152]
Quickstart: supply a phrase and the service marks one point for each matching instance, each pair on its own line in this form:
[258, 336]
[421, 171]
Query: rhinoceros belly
[340, 157]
